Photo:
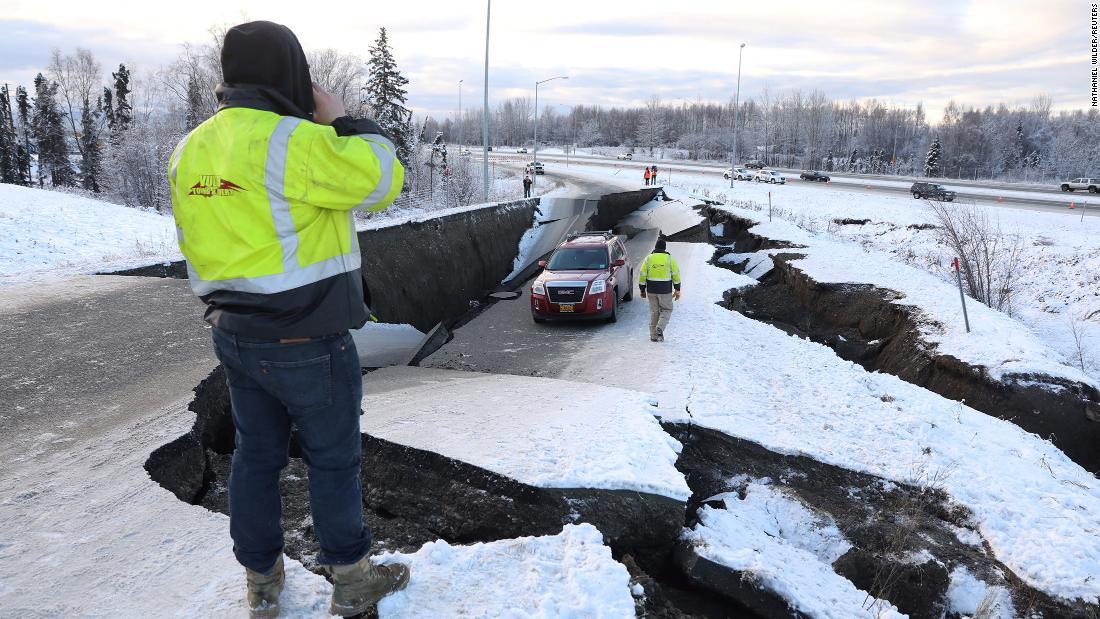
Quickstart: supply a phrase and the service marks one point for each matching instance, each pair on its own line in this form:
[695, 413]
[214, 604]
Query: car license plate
[565, 307]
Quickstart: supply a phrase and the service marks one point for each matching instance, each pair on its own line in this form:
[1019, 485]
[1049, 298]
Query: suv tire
[1092, 189]
[916, 196]
[614, 317]
[630, 293]
[1066, 187]
[538, 320]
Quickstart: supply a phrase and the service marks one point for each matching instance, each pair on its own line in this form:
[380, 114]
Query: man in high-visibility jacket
[263, 193]
[659, 280]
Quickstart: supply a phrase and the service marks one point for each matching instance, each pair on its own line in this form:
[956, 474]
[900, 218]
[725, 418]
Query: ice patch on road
[539, 431]
[571, 574]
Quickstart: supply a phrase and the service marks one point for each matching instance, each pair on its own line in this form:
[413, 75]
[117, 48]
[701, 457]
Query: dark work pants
[317, 387]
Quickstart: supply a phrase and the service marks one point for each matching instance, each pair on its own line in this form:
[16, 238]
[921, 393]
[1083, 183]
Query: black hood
[264, 67]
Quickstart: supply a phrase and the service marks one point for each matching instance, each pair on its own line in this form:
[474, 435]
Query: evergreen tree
[386, 95]
[109, 107]
[829, 161]
[932, 164]
[9, 155]
[23, 106]
[49, 135]
[124, 114]
[194, 103]
[91, 155]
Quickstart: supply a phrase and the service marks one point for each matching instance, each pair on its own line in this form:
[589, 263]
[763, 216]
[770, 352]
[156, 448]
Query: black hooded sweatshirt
[265, 68]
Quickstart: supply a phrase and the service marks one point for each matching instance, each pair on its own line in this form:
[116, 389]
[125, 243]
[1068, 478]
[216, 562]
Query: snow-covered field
[46, 233]
[1057, 293]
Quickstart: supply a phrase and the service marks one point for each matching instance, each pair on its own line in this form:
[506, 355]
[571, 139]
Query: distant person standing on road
[654, 175]
[646, 176]
[262, 194]
[526, 185]
[659, 281]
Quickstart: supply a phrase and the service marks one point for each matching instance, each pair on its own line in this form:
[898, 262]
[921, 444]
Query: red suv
[585, 277]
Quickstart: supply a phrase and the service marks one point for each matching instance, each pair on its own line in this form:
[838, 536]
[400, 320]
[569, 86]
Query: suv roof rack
[607, 234]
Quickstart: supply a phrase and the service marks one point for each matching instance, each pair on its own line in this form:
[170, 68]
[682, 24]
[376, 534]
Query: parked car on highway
[625, 156]
[814, 175]
[741, 174]
[535, 167]
[770, 176]
[522, 150]
[932, 191]
[754, 165]
[1092, 185]
[587, 276]
[490, 149]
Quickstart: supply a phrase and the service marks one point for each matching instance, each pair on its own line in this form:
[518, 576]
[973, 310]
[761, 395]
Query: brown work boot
[358, 586]
[264, 590]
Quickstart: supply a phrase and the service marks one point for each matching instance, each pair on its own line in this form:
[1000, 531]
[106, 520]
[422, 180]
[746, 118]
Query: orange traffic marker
[866, 186]
[1000, 199]
[1071, 204]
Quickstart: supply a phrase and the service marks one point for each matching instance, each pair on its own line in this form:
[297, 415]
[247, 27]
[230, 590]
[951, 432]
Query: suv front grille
[565, 294]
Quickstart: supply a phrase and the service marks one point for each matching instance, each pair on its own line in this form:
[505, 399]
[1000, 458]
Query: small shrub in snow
[989, 258]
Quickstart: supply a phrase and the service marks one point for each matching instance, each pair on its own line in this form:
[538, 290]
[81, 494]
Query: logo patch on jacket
[211, 185]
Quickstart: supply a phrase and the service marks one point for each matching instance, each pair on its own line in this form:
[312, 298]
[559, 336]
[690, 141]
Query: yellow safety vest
[659, 267]
[263, 202]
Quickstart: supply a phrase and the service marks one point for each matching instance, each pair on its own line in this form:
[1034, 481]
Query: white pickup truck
[1090, 184]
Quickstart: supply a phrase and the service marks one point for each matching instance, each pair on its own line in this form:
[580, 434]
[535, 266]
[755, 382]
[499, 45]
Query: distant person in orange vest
[654, 177]
[646, 175]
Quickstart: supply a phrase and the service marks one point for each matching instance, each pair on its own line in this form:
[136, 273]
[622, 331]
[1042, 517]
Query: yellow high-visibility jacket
[659, 273]
[263, 204]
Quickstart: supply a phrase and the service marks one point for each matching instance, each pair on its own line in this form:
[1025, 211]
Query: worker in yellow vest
[262, 195]
[659, 281]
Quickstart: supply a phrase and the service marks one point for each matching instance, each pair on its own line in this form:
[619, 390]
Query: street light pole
[535, 154]
[460, 131]
[485, 114]
[736, 104]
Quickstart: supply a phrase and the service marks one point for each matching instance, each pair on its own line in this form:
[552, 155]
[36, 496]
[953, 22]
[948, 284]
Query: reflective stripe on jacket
[262, 201]
[659, 273]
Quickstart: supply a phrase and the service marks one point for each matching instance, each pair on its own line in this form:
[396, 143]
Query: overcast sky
[621, 52]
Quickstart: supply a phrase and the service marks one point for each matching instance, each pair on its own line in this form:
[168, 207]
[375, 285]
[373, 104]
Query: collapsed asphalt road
[505, 340]
[88, 353]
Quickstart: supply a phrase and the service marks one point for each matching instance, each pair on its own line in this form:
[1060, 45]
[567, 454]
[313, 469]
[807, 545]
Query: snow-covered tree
[195, 105]
[108, 107]
[651, 129]
[386, 95]
[23, 108]
[49, 135]
[932, 163]
[9, 146]
[91, 155]
[124, 112]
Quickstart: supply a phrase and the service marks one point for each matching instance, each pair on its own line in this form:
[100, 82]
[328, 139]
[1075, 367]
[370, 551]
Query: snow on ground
[996, 341]
[968, 596]
[777, 541]
[1058, 289]
[50, 232]
[539, 431]
[1038, 510]
[571, 574]
[88, 534]
[381, 344]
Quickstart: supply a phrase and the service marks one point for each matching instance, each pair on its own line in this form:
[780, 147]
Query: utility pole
[485, 114]
[460, 127]
[535, 154]
[736, 104]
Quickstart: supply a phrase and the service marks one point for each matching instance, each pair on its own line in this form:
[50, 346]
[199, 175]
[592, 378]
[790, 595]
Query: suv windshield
[940, 187]
[578, 259]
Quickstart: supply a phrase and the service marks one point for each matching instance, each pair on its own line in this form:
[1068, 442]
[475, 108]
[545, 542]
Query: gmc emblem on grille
[567, 292]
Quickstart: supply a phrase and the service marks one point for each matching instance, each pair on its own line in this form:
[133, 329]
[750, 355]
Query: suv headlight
[538, 288]
[598, 286]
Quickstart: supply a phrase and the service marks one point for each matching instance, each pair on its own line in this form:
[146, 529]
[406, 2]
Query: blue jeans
[317, 387]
